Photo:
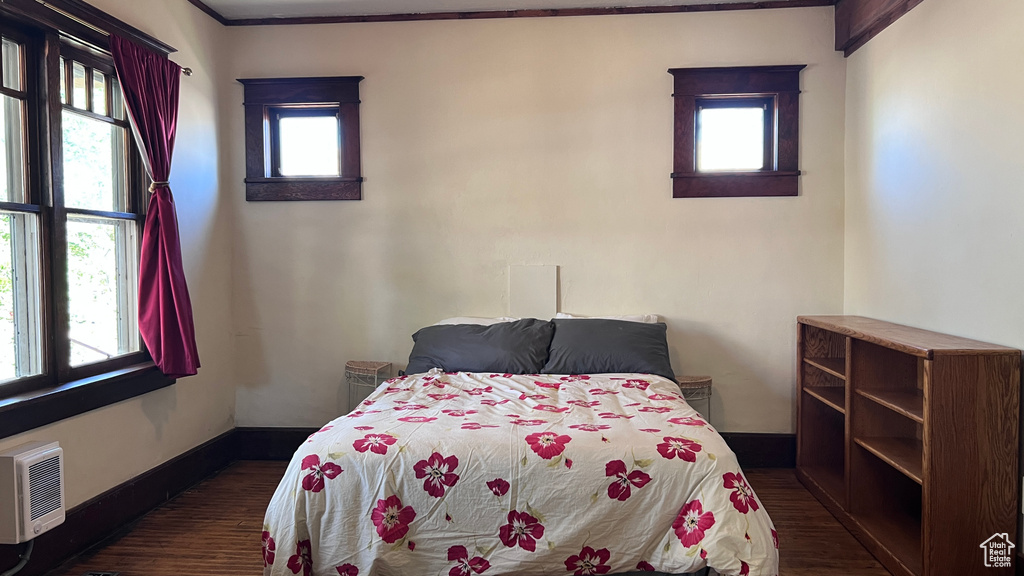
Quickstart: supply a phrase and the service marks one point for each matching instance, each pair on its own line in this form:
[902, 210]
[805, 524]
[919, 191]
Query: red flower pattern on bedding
[439, 473]
[376, 443]
[314, 481]
[522, 529]
[590, 427]
[477, 426]
[722, 520]
[619, 489]
[443, 397]
[525, 396]
[679, 447]
[664, 397]
[636, 383]
[743, 498]
[268, 549]
[550, 408]
[417, 419]
[588, 561]
[521, 422]
[574, 378]
[302, 561]
[613, 416]
[692, 522]
[498, 486]
[392, 519]
[464, 564]
[688, 421]
[547, 445]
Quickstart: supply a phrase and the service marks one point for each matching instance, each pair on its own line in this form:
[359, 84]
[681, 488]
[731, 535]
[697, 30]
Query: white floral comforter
[475, 474]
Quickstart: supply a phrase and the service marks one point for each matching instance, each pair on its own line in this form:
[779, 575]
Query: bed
[471, 473]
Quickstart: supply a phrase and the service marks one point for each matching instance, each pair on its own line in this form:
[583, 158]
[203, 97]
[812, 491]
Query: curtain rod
[186, 71]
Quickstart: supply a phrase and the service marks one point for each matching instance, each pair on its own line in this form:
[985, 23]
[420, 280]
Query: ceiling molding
[490, 14]
[858, 21]
[210, 11]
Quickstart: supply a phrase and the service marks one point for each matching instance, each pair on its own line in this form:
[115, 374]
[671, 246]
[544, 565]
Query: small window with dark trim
[736, 131]
[302, 138]
[305, 141]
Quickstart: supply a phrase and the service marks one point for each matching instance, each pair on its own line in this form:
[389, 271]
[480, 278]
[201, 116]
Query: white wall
[934, 203]
[106, 447]
[533, 141]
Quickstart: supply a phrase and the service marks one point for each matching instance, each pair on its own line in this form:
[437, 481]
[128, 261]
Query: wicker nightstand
[363, 377]
[696, 388]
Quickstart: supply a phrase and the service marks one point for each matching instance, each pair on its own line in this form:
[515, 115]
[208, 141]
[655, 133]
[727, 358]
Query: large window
[102, 245]
[71, 186]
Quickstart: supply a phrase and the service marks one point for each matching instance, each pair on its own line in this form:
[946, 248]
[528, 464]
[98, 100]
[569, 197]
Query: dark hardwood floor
[214, 529]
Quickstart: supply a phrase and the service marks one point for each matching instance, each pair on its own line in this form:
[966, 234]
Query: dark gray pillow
[519, 347]
[597, 346]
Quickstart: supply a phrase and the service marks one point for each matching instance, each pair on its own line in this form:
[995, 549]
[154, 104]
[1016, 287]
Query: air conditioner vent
[44, 487]
[31, 490]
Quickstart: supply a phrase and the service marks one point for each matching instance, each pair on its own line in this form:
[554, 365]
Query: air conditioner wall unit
[31, 491]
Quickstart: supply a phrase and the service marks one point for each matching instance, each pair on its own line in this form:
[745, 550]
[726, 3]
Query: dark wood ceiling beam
[488, 14]
[858, 21]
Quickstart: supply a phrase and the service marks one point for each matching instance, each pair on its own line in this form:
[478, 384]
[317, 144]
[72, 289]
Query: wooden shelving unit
[900, 431]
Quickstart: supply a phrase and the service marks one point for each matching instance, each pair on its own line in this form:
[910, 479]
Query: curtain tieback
[155, 185]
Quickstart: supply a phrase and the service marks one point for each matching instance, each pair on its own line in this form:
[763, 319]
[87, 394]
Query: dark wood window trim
[777, 87]
[81, 21]
[262, 96]
[40, 407]
[77, 31]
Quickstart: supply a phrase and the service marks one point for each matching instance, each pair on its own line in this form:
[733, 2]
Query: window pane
[99, 93]
[115, 100]
[94, 163]
[78, 87]
[20, 343]
[63, 83]
[12, 150]
[730, 139]
[101, 289]
[309, 145]
[12, 64]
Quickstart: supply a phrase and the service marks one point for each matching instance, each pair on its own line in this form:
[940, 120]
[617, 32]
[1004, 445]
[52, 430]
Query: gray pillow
[519, 347]
[597, 346]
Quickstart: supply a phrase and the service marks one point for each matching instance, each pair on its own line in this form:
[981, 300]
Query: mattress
[492, 474]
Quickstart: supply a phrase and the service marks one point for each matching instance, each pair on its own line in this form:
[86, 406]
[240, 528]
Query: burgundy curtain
[150, 87]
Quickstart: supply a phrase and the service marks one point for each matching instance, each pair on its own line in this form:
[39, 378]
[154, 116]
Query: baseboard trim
[757, 450]
[96, 520]
[269, 443]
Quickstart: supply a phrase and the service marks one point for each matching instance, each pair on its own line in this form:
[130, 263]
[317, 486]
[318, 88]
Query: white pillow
[475, 320]
[645, 318]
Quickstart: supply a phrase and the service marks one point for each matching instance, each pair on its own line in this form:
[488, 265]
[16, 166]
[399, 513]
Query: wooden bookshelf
[900, 430]
[832, 397]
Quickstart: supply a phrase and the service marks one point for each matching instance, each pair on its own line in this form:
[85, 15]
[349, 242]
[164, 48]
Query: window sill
[735, 184]
[31, 410]
[277, 189]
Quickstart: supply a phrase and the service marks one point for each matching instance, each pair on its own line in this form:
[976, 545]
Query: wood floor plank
[214, 529]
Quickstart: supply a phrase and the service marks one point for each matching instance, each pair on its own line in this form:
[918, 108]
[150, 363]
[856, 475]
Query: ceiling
[236, 9]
